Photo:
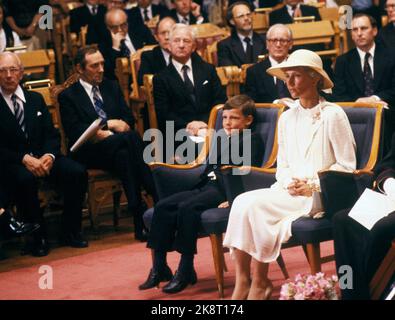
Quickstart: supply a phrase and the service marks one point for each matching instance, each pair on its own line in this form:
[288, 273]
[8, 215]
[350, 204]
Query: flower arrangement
[310, 287]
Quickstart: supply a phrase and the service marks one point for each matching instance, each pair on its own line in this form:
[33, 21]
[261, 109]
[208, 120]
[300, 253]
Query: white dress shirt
[291, 11]
[88, 89]
[241, 37]
[129, 44]
[362, 55]
[149, 12]
[166, 55]
[178, 67]
[181, 18]
[20, 98]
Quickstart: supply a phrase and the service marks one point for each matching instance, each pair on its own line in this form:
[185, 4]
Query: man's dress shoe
[75, 240]
[15, 227]
[180, 281]
[154, 278]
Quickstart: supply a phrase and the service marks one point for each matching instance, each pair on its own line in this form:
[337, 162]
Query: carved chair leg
[218, 257]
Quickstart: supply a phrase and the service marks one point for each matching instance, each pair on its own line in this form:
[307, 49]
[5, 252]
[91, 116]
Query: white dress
[309, 140]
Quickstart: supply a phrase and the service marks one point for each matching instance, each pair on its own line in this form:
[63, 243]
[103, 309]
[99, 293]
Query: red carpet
[116, 273]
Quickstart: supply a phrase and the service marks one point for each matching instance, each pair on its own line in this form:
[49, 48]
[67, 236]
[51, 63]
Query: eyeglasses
[122, 26]
[281, 41]
[10, 70]
[390, 6]
[245, 15]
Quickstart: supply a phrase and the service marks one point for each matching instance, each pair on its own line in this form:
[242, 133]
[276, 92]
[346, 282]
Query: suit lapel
[9, 119]
[179, 82]
[379, 65]
[257, 46]
[268, 79]
[30, 115]
[238, 48]
[356, 69]
[159, 58]
[86, 103]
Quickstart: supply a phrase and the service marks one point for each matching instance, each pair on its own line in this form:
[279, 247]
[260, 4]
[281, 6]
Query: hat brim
[278, 72]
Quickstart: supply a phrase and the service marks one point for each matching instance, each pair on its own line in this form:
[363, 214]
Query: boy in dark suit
[176, 219]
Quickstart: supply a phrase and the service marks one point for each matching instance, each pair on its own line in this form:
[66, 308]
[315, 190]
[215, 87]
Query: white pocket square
[39, 113]
[205, 82]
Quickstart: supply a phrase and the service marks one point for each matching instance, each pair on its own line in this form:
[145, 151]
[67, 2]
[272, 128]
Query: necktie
[185, 21]
[249, 57]
[188, 82]
[125, 52]
[368, 77]
[281, 89]
[98, 104]
[146, 18]
[94, 10]
[18, 113]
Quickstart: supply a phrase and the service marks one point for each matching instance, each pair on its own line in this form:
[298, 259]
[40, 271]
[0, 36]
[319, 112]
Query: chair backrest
[260, 19]
[366, 124]
[206, 34]
[230, 77]
[38, 64]
[122, 72]
[135, 61]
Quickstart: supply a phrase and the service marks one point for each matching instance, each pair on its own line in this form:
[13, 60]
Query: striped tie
[98, 104]
[19, 114]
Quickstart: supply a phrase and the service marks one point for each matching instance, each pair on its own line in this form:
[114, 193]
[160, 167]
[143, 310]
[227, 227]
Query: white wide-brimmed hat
[301, 58]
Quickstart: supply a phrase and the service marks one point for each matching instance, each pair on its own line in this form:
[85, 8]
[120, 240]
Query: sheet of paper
[371, 207]
[89, 133]
[197, 139]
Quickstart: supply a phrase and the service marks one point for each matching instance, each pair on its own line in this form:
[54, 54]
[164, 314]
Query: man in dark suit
[187, 12]
[243, 46]
[360, 248]
[30, 150]
[260, 86]
[387, 33]
[258, 3]
[90, 14]
[144, 12]
[291, 10]
[155, 60]
[187, 89]
[116, 147]
[121, 39]
[367, 72]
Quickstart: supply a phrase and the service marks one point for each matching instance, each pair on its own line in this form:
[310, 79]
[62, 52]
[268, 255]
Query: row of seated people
[91, 71]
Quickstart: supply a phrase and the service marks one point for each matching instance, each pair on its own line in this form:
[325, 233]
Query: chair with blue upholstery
[170, 179]
[339, 190]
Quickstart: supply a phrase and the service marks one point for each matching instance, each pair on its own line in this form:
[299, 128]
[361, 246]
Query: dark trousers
[176, 220]
[122, 155]
[361, 249]
[66, 175]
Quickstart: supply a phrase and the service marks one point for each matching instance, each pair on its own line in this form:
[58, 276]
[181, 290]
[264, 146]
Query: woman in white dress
[313, 136]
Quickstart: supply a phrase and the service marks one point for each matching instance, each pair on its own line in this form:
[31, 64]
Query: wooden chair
[333, 15]
[230, 77]
[384, 274]
[101, 184]
[318, 32]
[206, 34]
[260, 19]
[137, 96]
[38, 64]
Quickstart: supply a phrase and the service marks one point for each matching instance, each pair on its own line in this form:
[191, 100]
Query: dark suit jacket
[152, 62]
[42, 136]
[192, 19]
[231, 51]
[262, 3]
[348, 76]
[282, 16]
[387, 36]
[259, 85]
[140, 37]
[78, 112]
[81, 16]
[135, 18]
[172, 101]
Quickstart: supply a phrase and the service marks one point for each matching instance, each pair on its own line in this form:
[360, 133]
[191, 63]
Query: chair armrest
[252, 179]
[340, 190]
[170, 179]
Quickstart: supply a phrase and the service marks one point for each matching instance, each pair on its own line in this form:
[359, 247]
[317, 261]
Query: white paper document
[89, 133]
[371, 207]
[197, 139]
